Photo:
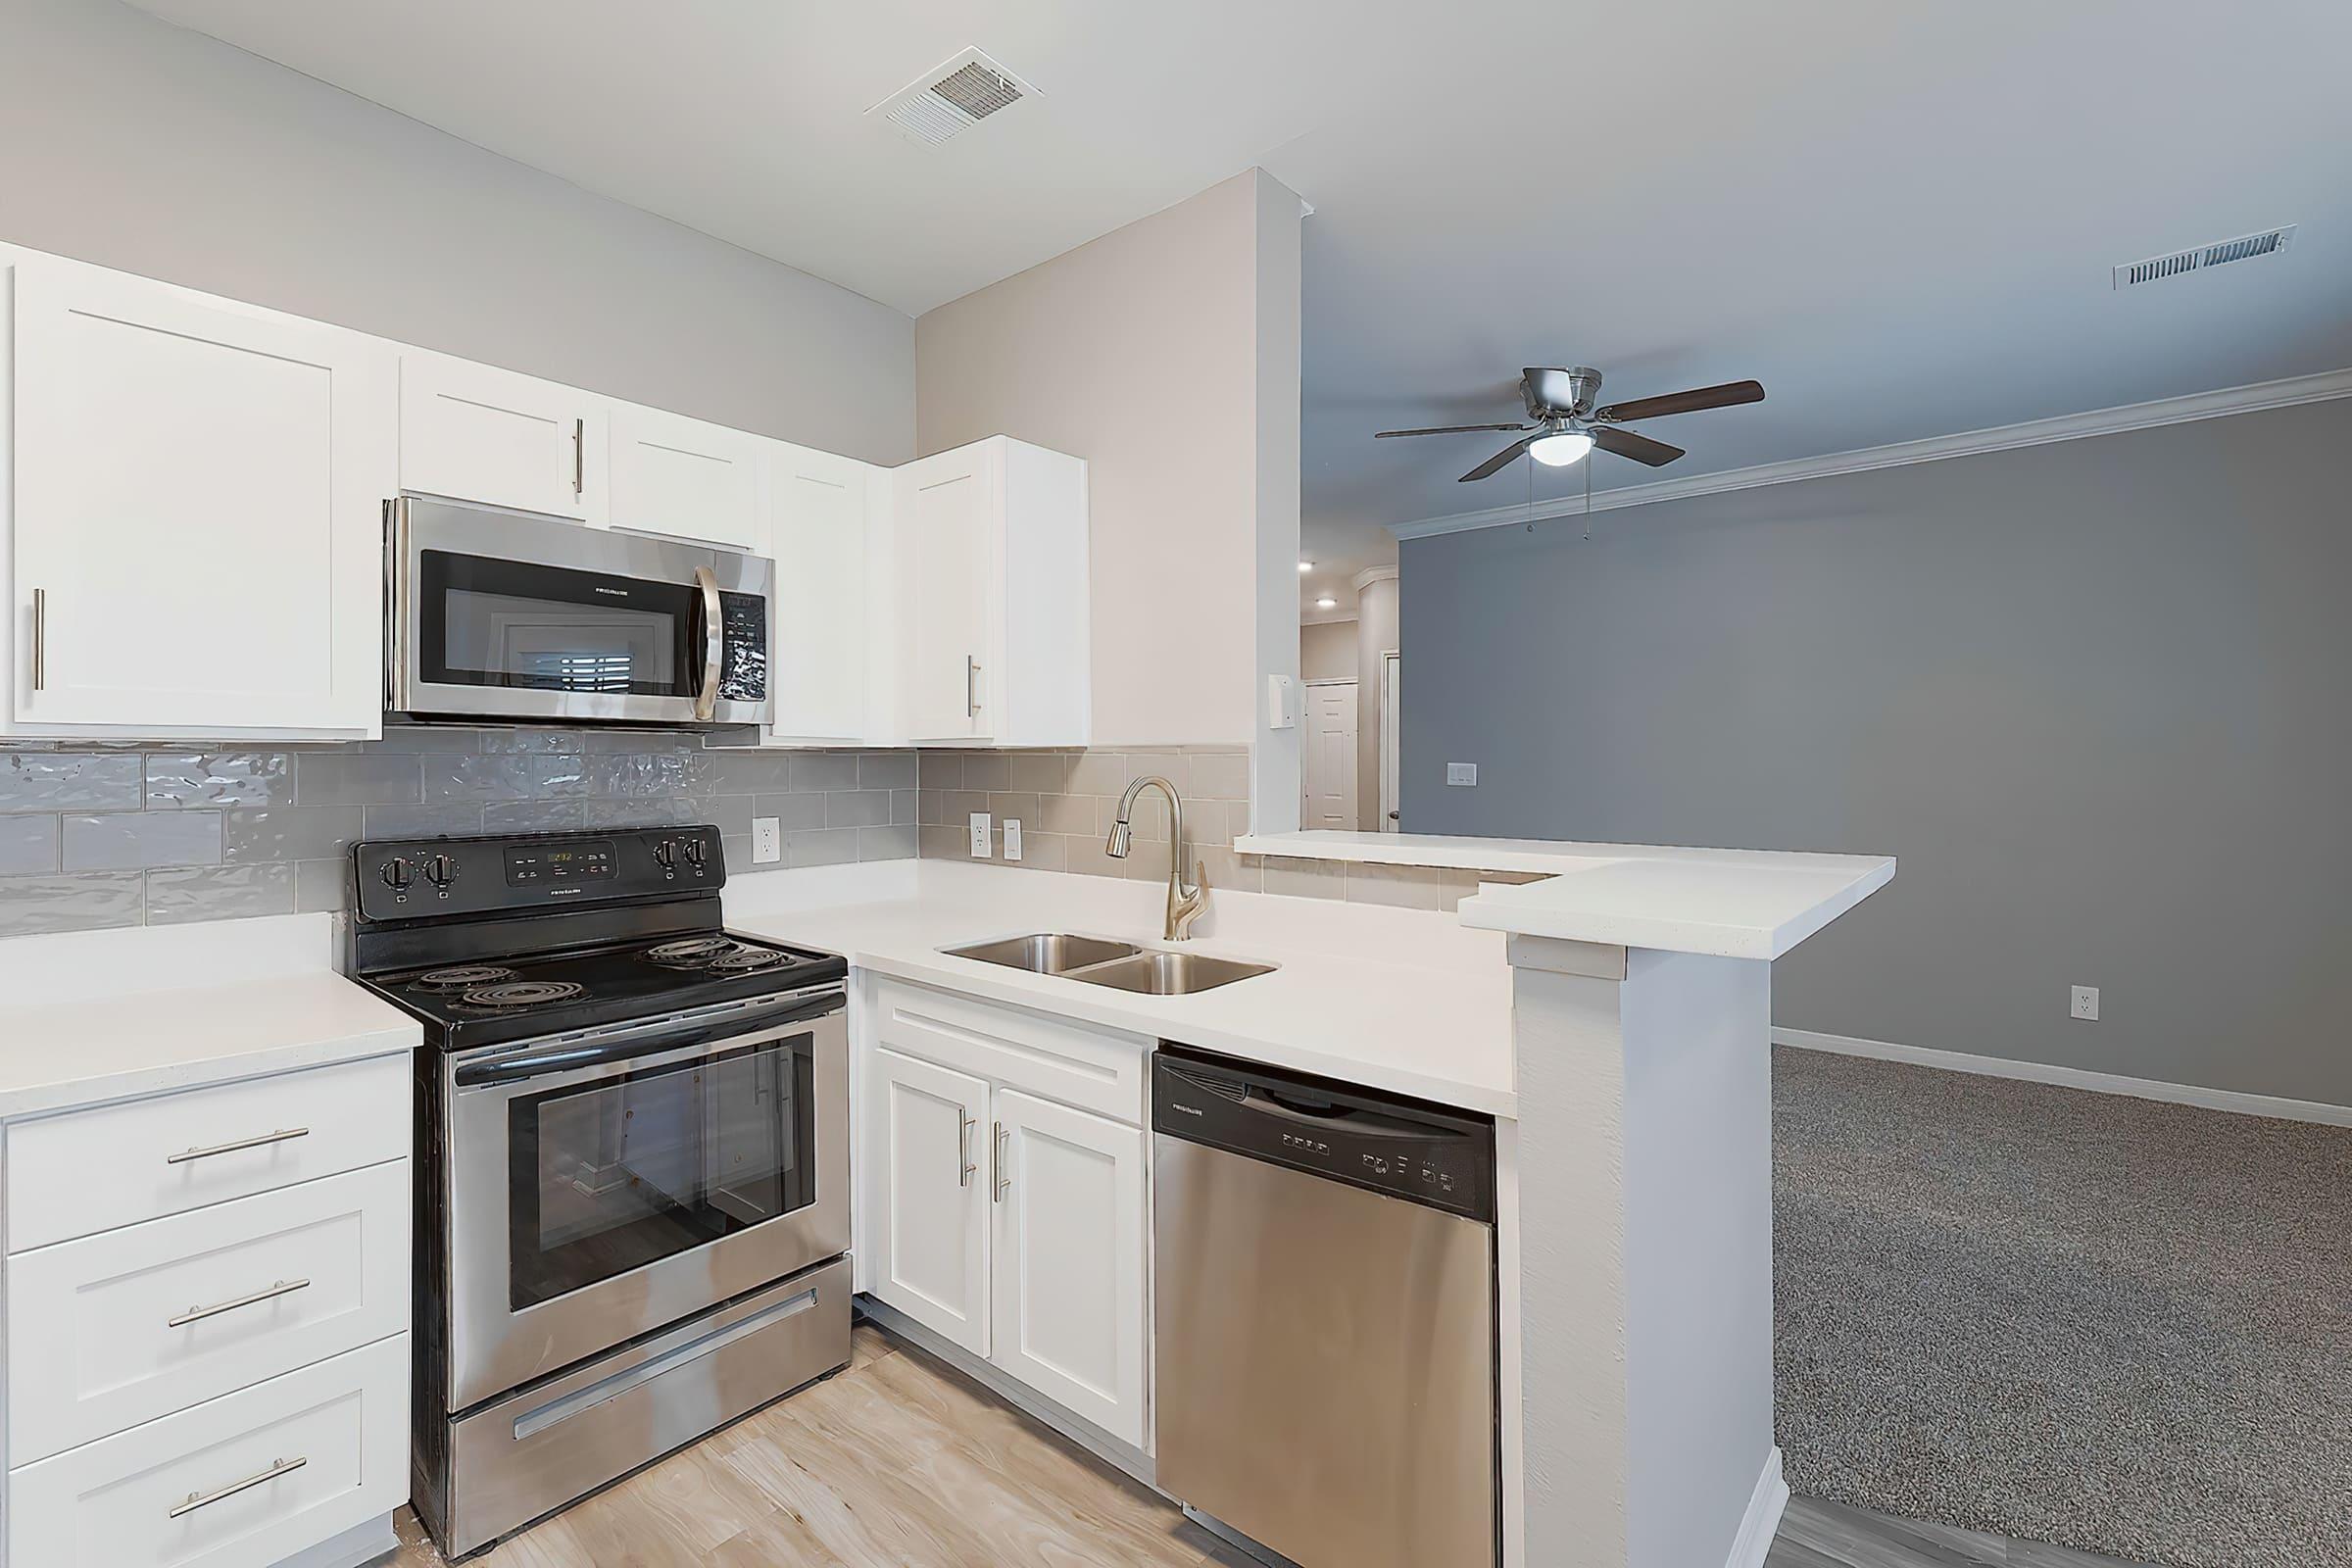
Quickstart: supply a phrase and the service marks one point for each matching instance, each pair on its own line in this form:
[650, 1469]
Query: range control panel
[1402, 1148]
[409, 879]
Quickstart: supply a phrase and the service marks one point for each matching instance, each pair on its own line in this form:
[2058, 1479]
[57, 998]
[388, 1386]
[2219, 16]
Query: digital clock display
[561, 863]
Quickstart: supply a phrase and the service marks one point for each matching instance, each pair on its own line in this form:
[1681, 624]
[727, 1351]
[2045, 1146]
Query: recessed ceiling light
[1306, 565]
[1327, 602]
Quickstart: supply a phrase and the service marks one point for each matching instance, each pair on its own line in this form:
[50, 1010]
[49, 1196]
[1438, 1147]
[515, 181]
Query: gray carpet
[2118, 1326]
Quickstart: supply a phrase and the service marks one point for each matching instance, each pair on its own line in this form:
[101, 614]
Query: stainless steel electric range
[632, 1160]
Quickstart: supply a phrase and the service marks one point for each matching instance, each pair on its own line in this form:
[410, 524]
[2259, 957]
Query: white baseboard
[2104, 1083]
[1761, 1523]
[363, 1543]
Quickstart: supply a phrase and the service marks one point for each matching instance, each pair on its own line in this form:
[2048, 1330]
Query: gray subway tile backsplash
[118, 836]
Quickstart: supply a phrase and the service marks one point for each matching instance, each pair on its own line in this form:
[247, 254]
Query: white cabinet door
[475, 434]
[1067, 1310]
[949, 508]
[927, 1171]
[685, 479]
[818, 537]
[197, 532]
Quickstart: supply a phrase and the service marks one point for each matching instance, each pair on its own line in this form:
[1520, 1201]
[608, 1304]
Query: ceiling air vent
[952, 98]
[2270, 242]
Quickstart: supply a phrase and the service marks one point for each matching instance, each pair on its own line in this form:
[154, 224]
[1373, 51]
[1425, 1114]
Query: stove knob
[666, 854]
[441, 870]
[697, 852]
[398, 875]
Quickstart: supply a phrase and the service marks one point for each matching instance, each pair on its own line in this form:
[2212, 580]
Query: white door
[199, 511]
[817, 656]
[926, 1169]
[685, 479]
[1329, 767]
[947, 523]
[474, 433]
[1072, 1212]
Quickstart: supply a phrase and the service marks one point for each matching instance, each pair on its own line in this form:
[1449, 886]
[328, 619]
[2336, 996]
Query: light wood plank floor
[901, 1463]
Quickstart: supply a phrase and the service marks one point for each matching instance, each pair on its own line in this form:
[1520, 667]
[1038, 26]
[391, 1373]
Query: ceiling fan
[1566, 425]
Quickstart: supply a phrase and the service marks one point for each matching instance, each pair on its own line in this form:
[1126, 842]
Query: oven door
[606, 1185]
[494, 615]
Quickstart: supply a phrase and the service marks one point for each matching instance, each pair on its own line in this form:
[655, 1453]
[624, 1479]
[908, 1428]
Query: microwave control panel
[743, 675]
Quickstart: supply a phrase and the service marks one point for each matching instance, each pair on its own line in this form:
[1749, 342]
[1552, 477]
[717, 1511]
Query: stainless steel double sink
[1119, 965]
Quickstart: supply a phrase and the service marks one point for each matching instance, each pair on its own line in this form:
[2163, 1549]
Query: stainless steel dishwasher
[1325, 1338]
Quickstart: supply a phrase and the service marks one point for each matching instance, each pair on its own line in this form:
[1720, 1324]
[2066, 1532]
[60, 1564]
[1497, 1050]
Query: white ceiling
[1899, 218]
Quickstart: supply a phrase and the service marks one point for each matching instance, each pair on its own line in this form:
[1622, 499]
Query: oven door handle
[655, 1040]
[715, 644]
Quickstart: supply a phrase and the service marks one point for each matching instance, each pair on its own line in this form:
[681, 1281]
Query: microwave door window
[562, 647]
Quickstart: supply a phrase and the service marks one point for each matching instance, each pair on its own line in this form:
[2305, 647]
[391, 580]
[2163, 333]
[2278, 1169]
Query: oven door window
[609, 1176]
[509, 623]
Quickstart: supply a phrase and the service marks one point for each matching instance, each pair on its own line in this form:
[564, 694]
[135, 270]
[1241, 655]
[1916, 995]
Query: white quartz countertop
[1733, 903]
[1441, 1033]
[62, 1054]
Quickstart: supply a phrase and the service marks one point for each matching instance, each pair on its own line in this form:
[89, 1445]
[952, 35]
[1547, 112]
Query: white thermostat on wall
[1282, 703]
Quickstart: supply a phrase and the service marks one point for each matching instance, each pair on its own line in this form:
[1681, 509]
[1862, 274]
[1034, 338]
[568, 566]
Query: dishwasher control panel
[1407, 1148]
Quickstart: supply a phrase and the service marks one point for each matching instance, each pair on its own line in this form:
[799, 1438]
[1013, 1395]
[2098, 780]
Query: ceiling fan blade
[1639, 448]
[1690, 402]
[1499, 460]
[1445, 429]
[1549, 388]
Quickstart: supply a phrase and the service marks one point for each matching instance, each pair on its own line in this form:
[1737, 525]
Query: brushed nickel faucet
[1184, 904]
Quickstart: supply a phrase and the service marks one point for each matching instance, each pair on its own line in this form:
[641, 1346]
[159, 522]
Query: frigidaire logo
[617, 593]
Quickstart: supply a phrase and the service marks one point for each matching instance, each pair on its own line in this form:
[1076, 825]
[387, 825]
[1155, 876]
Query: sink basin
[1170, 975]
[1048, 952]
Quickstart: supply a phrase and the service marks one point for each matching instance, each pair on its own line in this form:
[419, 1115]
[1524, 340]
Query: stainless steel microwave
[494, 617]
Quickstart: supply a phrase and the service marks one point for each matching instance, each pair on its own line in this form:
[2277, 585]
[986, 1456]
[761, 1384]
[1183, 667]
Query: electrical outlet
[767, 839]
[2085, 1004]
[1462, 773]
[1012, 838]
[980, 849]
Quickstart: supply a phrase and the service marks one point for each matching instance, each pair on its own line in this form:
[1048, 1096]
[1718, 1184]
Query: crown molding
[1326, 617]
[2001, 438]
[1372, 574]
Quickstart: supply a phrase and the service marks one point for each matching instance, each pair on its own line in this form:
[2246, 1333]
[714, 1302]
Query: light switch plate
[767, 839]
[1012, 838]
[1282, 703]
[980, 847]
[1462, 773]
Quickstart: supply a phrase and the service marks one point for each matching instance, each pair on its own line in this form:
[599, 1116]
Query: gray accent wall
[156, 835]
[2096, 695]
[130, 143]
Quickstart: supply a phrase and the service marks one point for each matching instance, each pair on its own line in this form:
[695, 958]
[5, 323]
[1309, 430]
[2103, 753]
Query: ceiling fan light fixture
[1560, 448]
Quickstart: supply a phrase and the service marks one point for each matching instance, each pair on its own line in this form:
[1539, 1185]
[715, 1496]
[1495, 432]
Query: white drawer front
[92, 1170]
[326, 1448]
[113, 1330]
[1095, 1070]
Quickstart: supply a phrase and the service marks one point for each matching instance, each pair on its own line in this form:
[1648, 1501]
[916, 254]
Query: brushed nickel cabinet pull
[41, 638]
[203, 1499]
[281, 1135]
[971, 687]
[1002, 1180]
[579, 456]
[197, 1314]
[966, 1166]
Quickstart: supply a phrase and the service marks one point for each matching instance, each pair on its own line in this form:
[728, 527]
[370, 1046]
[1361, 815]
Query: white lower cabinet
[240, 1482]
[1015, 1226]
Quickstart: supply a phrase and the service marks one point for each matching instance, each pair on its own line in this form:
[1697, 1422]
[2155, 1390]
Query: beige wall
[1140, 353]
[1327, 652]
[1377, 632]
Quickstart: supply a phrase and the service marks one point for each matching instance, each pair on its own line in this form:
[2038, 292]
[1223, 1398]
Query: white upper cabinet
[992, 565]
[820, 533]
[685, 479]
[196, 540]
[472, 432]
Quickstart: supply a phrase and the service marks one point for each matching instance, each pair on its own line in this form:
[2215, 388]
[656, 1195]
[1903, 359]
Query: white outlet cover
[1012, 838]
[767, 839]
[980, 847]
[2085, 1004]
[1462, 775]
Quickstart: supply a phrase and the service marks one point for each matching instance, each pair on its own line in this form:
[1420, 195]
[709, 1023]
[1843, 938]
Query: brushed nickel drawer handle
[202, 1499]
[283, 1135]
[197, 1314]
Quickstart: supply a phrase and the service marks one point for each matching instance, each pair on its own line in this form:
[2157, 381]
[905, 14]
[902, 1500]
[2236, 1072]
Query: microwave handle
[715, 644]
